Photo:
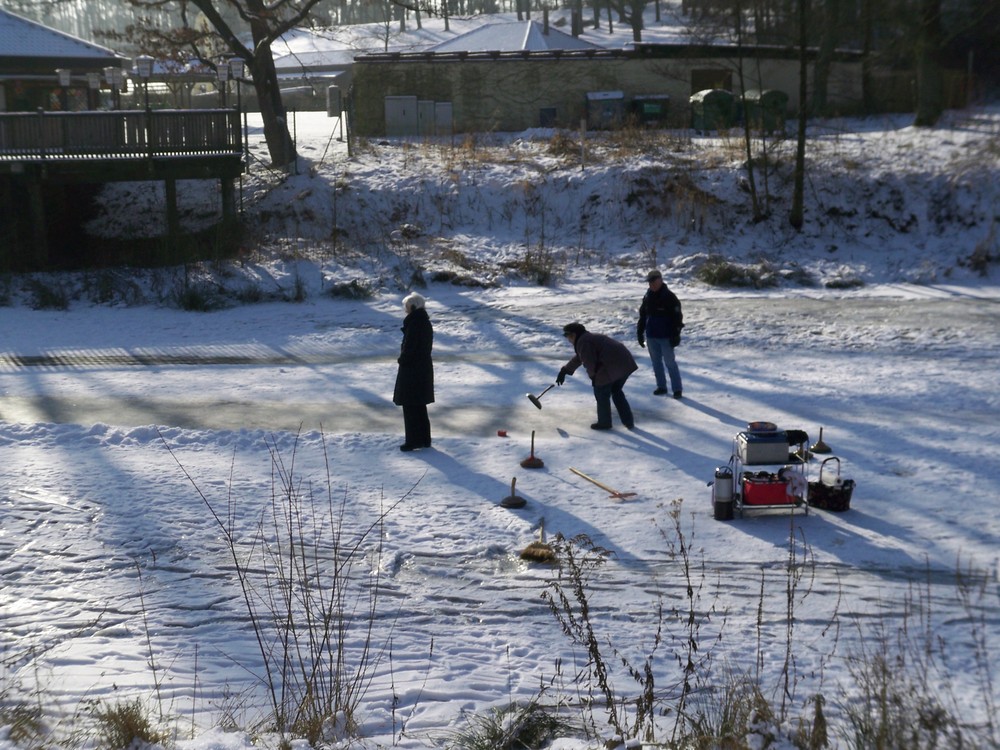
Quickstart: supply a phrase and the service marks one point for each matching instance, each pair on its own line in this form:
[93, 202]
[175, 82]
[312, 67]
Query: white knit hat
[413, 301]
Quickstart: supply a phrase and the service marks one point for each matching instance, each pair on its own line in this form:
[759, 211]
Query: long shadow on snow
[480, 484]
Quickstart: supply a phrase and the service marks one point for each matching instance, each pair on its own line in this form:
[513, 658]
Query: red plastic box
[769, 491]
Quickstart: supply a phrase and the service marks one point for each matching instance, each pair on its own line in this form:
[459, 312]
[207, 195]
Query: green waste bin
[712, 109]
[765, 109]
[605, 109]
[650, 109]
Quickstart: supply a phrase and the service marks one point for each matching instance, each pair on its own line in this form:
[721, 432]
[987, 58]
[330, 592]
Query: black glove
[642, 341]
[561, 377]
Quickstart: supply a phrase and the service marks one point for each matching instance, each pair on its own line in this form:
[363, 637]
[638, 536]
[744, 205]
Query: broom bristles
[538, 552]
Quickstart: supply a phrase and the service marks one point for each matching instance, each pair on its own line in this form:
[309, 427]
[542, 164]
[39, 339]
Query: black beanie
[574, 328]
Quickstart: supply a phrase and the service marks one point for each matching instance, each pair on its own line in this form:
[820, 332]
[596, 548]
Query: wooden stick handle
[594, 481]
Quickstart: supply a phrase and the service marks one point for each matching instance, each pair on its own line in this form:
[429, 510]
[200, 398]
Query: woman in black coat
[415, 379]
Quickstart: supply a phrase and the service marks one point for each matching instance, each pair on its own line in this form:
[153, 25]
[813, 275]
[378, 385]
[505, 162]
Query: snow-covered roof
[512, 36]
[23, 38]
[315, 60]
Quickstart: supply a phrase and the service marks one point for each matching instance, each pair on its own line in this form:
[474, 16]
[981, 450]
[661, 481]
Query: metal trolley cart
[777, 479]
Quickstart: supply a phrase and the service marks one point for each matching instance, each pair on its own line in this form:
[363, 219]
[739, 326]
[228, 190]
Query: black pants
[605, 394]
[417, 425]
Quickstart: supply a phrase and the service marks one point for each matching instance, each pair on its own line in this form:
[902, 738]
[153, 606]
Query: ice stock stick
[614, 493]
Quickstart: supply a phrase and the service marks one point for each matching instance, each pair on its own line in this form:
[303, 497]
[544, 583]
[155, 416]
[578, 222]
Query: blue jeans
[605, 394]
[662, 353]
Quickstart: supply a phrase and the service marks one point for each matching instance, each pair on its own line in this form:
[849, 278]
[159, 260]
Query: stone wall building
[513, 91]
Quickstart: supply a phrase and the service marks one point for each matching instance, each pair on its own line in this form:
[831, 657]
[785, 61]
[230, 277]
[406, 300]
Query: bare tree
[930, 79]
[758, 213]
[225, 23]
[384, 29]
[632, 12]
[932, 36]
[830, 12]
[736, 22]
[796, 216]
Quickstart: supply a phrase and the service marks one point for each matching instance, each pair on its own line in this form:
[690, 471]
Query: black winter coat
[415, 378]
[660, 316]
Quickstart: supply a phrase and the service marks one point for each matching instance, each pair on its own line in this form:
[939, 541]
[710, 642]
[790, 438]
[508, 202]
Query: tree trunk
[636, 11]
[828, 43]
[796, 216]
[930, 80]
[260, 64]
[272, 110]
[758, 215]
[867, 50]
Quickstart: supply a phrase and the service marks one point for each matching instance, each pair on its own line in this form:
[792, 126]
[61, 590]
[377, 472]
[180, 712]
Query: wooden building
[33, 59]
[57, 148]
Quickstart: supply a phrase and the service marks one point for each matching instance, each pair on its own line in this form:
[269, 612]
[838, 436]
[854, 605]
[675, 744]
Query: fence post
[149, 136]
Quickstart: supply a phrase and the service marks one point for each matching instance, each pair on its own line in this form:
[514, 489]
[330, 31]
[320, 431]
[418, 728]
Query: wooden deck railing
[125, 133]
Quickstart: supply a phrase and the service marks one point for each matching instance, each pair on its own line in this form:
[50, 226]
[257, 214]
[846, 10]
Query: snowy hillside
[885, 202]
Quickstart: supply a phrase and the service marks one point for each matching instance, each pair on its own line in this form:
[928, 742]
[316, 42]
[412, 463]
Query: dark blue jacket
[660, 316]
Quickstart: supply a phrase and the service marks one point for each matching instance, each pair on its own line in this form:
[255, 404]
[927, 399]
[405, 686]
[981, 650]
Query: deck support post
[173, 219]
[39, 231]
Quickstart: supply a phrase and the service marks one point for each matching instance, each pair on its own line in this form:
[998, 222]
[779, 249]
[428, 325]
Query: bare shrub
[539, 264]
[308, 600]
[353, 289]
[720, 272]
[983, 255]
[47, 295]
[563, 143]
[24, 723]
[121, 725]
[905, 697]
[515, 726]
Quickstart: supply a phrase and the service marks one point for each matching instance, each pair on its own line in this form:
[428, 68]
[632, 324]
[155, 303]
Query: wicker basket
[831, 492]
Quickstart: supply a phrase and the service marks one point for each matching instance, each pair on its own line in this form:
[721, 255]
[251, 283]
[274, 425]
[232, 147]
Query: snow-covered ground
[120, 424]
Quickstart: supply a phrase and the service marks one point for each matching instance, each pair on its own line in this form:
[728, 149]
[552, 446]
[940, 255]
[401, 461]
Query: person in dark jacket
[415, 378]
[659, 326]
[608, 363]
